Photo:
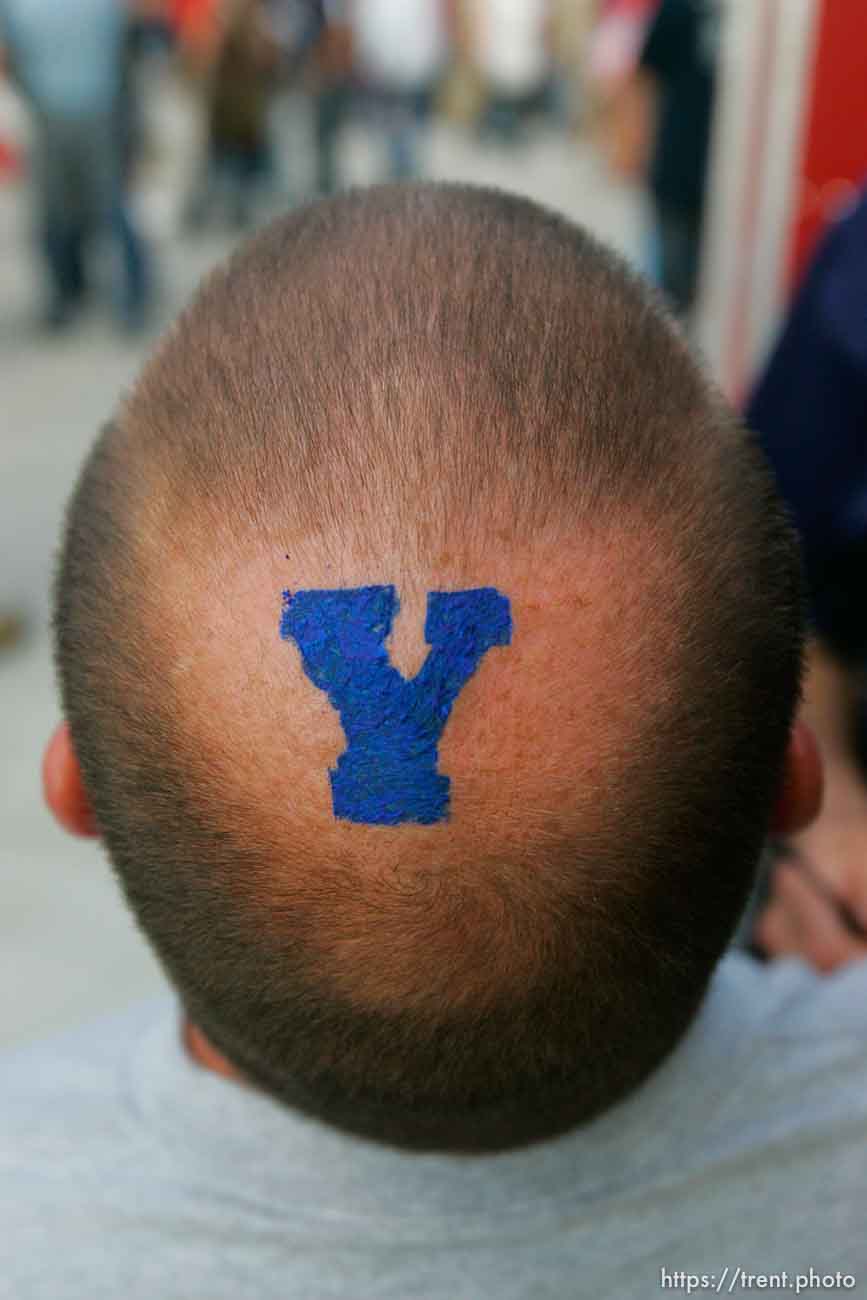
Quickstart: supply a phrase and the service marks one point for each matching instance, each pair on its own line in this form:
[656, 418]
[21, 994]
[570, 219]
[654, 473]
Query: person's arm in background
[628, 125]
[628, 59]
[810, 411]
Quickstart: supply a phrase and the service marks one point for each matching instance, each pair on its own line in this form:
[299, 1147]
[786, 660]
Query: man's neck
[477, 1135]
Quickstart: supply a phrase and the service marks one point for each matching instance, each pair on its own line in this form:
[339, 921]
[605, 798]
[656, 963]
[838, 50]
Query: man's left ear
[800, 795]
[63, 786]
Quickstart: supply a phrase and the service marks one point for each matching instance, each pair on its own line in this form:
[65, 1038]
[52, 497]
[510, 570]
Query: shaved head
[435, 389]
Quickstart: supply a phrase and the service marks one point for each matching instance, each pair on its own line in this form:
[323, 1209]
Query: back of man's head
[433, 389]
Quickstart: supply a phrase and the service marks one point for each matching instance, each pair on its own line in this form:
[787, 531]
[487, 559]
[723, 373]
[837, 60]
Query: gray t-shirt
[127, 1171]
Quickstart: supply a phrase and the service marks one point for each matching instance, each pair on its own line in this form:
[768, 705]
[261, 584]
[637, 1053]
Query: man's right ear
[63, 787]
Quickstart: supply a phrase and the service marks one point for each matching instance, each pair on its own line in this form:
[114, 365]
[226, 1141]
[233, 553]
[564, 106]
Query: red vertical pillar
[834, 156]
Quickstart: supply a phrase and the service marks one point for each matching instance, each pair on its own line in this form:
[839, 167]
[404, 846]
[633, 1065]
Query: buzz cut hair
[400, 364]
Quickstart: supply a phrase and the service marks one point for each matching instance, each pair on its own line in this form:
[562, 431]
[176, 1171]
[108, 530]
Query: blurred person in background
[619, 99]
[149, 39]
[332, 94]
[810, 410]
[240, 81]
[511, 40]
[294, 27]
[571, 24]
[194, 25]
[678, 66]
[658, 62]
[399, 54]
[195, 29]
[241, 52]
[68, 62]
[150, 25]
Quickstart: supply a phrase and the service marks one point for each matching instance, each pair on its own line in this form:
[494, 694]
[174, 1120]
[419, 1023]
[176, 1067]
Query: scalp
[439, 389]
[538, 742]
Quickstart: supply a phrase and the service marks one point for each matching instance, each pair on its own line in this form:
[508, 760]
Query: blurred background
[710, 141]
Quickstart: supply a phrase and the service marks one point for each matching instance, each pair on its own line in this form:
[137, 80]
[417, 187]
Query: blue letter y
[388, 772]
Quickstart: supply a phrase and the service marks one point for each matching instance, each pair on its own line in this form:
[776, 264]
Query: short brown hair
[383, 362]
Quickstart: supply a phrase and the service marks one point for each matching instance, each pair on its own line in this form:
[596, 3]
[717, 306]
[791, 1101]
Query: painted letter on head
[388, 771]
